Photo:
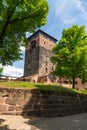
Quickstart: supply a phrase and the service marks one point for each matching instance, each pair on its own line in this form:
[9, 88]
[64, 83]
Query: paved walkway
[73, 122]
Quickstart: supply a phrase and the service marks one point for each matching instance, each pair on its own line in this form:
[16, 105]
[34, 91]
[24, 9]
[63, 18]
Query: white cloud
[60, 5]
[22, 49]
[70, 11]
[69, 21]
[81, 8]
[12, 71]
[27, 34]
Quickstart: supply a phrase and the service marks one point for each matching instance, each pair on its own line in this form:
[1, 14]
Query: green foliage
[1, 70]
[16, 18]
[71, 54]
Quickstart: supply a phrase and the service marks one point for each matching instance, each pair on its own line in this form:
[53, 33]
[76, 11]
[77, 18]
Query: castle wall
[45, 53]
[32, 62]
[45, 65]
[46, 42]
[31, 59]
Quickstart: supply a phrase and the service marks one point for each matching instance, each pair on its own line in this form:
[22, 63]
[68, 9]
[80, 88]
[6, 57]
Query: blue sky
[62, 14]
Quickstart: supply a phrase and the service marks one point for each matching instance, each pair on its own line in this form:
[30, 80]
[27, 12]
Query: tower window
[52, 68]
[33, 44]
[46, 70]
[44, 43]
[46, 62]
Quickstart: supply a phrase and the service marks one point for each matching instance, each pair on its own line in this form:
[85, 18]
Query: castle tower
[38, 53]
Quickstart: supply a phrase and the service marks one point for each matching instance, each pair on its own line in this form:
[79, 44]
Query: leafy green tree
[16, 18]
[70, 54]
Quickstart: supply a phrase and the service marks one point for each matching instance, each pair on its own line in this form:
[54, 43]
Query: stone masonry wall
[45, 64]
[40, 102]
[32, 62]
[31, 65]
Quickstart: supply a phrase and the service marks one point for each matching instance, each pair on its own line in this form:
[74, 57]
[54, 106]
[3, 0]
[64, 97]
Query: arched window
[33, 44]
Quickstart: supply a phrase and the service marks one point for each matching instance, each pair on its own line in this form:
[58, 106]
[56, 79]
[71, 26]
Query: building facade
[38, 53]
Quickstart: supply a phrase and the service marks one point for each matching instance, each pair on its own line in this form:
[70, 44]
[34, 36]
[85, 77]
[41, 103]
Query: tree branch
[20, 19]
[9, 15]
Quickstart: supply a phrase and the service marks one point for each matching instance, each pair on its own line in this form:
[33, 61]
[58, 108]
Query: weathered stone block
[4, 94]
[11, 108]
[3, 107]
[11, 101]
[18, 113]
[19, 108]
[2, 100]
[21, 101]
[27, 96]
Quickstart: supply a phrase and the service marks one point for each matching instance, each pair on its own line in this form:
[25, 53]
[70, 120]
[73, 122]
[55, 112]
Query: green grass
[40, 86]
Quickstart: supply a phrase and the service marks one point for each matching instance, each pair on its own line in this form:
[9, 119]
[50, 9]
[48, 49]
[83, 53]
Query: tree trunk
[60, 81]
[73, 82]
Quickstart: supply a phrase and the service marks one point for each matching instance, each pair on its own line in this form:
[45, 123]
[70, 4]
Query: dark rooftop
[44, 33]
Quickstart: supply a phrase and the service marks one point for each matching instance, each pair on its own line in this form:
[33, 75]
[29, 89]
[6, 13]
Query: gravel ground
[73, 122]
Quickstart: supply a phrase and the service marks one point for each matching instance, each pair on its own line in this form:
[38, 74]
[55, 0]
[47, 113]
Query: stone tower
[38, 53]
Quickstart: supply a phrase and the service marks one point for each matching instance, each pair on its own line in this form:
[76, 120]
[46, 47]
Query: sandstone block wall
[45, 64]
[31, 61]
[40, 102]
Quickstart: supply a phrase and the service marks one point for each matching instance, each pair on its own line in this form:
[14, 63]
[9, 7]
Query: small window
[46, 62]
[66, 82]
[52, 68]
[46, 70]
[33, 44]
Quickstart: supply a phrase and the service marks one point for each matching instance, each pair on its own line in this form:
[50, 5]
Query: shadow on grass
[58, 89]
[55, 88]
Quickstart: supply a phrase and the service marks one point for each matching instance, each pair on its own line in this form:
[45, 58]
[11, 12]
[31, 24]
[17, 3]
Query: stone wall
[45, 64]
[31, 61]
[41, 103]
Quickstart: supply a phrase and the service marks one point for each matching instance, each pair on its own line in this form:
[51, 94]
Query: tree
[70, 54]
[16, 18]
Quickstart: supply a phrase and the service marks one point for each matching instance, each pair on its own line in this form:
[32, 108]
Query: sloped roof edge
[44, 33]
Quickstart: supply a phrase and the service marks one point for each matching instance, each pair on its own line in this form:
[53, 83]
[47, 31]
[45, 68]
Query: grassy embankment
[39, 86]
